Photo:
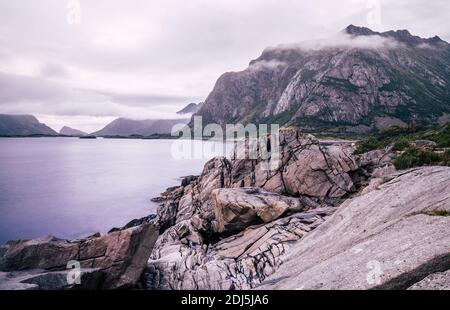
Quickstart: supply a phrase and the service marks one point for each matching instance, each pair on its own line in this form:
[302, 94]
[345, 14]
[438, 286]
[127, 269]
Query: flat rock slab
[385, 239]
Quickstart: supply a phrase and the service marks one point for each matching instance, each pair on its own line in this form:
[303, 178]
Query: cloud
[23, 93]
[343, 40]
[53, 70]
[145, 57]
[264, 65]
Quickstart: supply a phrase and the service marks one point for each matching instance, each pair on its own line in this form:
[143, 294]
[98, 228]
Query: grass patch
[437, 213]
[401, 137]
[414, 157]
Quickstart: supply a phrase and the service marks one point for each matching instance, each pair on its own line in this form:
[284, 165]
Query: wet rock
[90, 279]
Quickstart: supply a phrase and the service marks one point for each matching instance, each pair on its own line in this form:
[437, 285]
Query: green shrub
[368, 144]
[414, 157]
[401, 144]
[442, 138]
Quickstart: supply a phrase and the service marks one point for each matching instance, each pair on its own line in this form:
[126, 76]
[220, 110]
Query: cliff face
[356, 81]
[23, 125]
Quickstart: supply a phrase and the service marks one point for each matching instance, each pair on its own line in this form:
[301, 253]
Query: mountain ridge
[191, 108]
[23, 125]
[359, 81]
[146, 127]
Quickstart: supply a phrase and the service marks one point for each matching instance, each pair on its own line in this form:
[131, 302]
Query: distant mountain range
[67, 131]
[127, 127]
[191, 108]
[356, 82]
[23, 125]
[28, 125]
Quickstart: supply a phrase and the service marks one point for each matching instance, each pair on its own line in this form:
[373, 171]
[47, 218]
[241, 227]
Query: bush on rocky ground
[415, 157]
[401, 137]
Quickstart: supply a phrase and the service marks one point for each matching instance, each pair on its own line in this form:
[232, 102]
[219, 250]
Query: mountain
[357, 81]
[191, 108]
[23, 125]
[67, 131]
[128, 127]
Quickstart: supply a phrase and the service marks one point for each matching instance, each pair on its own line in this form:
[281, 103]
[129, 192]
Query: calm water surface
[71, 187]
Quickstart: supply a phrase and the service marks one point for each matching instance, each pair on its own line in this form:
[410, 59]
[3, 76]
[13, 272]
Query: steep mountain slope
[23, 125]
[358, 80]
[191, 108]
[127, 127]
[67, 131]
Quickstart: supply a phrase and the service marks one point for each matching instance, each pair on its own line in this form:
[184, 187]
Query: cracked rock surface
[384, 239]
[234, 223]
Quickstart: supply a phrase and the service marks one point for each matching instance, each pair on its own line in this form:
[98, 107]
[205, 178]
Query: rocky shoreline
[325, 219]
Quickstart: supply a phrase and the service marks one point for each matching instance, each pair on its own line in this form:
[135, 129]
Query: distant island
[67, 131]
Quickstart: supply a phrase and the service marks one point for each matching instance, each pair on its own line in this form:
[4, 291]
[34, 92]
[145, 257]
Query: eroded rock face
[240, 261]
[384, 239]
[307, 167]
[260, 212]
[118, 258]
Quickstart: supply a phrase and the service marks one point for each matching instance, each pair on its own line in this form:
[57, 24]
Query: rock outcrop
[385, 239]
[324, 219]
[115, 260]
[241, 261]
[229, 227]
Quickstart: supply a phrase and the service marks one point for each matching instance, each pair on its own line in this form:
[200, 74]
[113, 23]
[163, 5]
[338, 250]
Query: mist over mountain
[67, 131]
[357, 81]
[23, 125]
[128, 127]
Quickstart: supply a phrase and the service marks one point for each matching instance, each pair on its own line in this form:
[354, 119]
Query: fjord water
[70, 188]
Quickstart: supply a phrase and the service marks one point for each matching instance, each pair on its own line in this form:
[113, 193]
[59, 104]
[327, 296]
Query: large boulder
[120, 256]
[236, 209]
[390, 238]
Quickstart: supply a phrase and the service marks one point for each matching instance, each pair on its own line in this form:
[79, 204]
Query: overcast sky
[148, 59]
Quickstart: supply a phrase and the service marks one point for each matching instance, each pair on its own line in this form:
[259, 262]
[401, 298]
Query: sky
[83, 63]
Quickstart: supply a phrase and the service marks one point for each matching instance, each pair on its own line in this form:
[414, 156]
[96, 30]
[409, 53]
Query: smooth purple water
[69, 187]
